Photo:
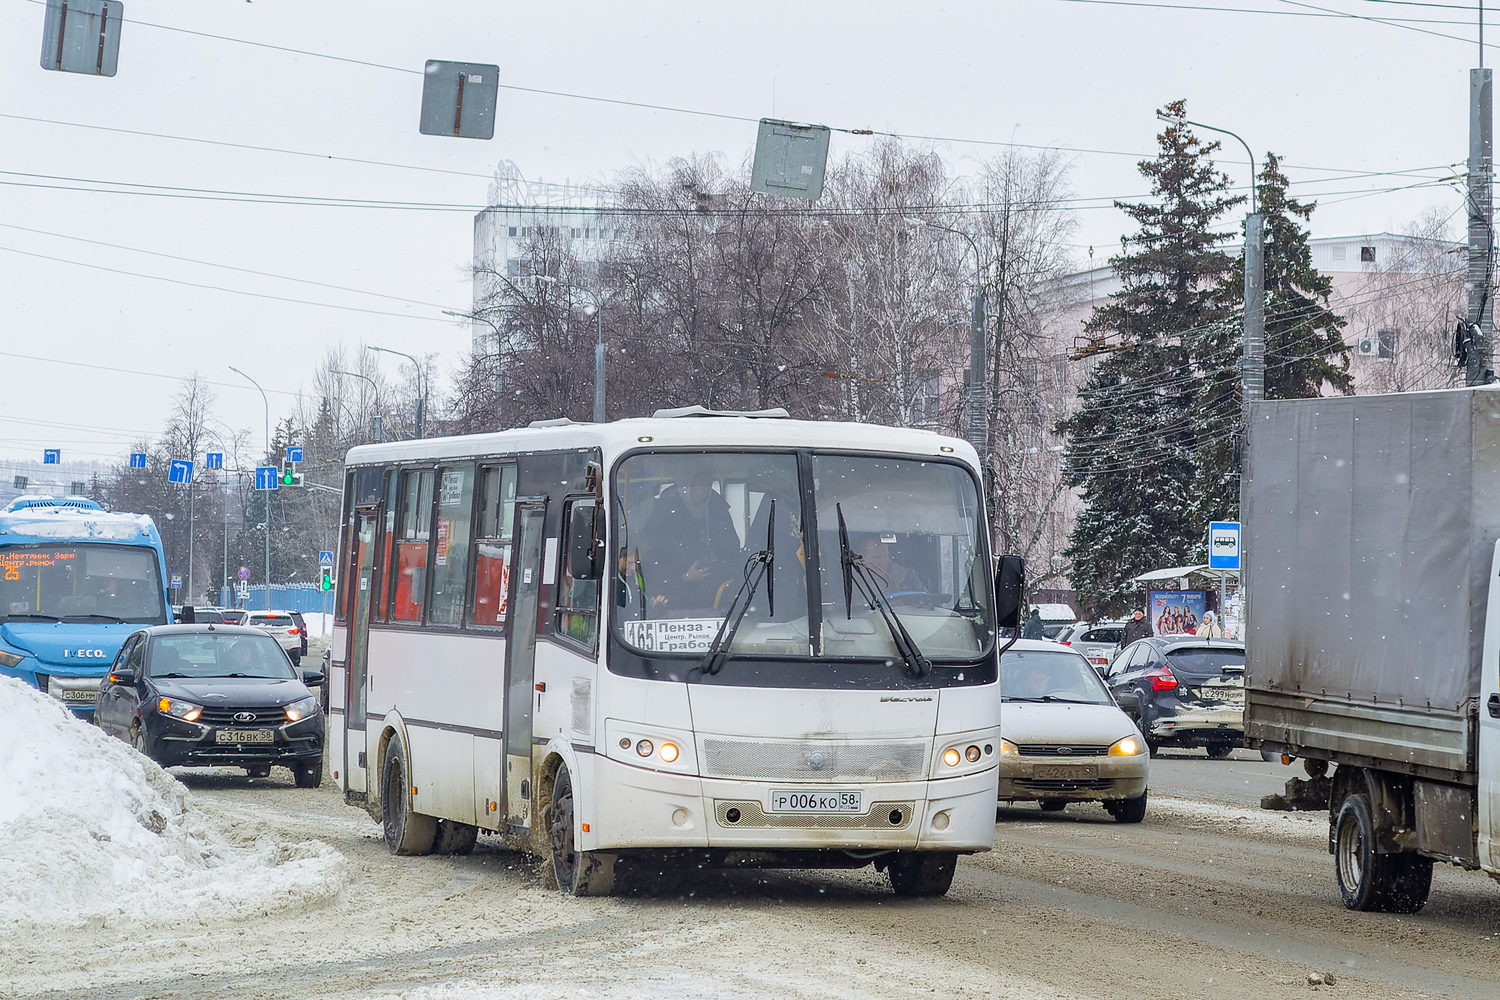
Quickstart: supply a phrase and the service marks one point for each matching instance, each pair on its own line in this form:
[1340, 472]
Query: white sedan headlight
[1130, 746]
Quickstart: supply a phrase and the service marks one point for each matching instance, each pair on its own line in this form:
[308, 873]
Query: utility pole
[1254, 348]
[1479, 366]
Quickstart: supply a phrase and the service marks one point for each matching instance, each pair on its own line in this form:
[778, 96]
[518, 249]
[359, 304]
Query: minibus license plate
[244, 736]
[817, 802]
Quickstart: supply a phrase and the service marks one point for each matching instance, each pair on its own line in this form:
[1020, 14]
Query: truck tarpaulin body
[1370, 524]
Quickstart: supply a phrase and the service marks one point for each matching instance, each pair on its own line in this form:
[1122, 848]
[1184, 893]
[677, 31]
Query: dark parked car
[213, 696]
[1191, 691]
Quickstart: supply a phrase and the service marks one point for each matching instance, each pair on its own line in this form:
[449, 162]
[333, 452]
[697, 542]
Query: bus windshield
[690, 525]
[81, 582]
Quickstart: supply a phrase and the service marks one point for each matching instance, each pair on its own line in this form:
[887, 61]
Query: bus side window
[343, 548]
[497, 505]
[415, 532]
[578, 596]
[450, 560]
[380, 590]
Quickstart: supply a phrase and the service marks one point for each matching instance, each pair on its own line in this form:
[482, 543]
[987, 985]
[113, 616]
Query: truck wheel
[454, 838]
[406, 831]
[1128, 810]
[578, 873]
[1218, 751]
[921, 873]
[1364, 876]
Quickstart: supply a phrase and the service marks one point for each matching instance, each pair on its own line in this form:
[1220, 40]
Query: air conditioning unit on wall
[1367, 347]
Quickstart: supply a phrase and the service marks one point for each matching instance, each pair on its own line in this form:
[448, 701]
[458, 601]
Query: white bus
[729, 639]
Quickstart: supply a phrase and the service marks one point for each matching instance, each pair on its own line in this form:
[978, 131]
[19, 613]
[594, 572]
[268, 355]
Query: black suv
[213, 696]
[1191, 691]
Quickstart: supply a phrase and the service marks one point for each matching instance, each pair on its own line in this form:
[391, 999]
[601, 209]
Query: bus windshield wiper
[857, 573]
[757, 568]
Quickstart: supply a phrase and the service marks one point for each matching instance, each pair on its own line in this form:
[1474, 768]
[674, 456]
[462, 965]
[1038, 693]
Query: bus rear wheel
[921, 873]
[578, 873]
[406, 831]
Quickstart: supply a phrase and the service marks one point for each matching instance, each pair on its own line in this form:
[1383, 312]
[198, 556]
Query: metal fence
[304, 597]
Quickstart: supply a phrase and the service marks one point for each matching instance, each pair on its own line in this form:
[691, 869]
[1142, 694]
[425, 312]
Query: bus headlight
[668, 752]
[951, 756]
[186, 711]
[1128, 747]
[644, 748]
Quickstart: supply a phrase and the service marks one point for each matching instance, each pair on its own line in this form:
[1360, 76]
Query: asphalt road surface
[1207, 898]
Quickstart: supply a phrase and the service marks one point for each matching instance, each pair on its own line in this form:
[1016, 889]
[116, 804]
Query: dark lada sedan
[213, 696]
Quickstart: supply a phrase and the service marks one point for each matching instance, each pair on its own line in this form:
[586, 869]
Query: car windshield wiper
[757, 568]
[174, 674]
[32, 616]
[856, 572]
[1054, 699]
[100, 618]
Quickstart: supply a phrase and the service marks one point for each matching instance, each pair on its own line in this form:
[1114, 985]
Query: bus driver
[693, 547]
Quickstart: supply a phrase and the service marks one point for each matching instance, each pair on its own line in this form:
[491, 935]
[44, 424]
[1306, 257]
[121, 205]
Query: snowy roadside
[91, 832]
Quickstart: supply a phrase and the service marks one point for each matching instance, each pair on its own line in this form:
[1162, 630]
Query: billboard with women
[1177, 612]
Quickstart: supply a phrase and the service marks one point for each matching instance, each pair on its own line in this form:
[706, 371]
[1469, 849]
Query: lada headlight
[186, 711]
[304, 709]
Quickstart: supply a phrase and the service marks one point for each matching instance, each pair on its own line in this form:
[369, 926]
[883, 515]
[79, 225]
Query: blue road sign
[325, 558]
[138, 460]
[266, 476]
[1224, 545]
[176, 581]
[294, 454]
[180, 472]
[52, 456]
[213, 460]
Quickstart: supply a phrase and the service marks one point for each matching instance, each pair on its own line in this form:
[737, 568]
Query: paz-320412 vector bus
[739, 639]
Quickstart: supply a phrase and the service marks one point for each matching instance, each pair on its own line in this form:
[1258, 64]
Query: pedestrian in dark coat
[1137, 628]
[1033, 627]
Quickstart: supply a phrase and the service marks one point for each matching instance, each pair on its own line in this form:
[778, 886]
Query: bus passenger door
[520, 664]
[359, 644]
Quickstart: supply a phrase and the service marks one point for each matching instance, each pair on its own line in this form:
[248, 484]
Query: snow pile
[91, 831]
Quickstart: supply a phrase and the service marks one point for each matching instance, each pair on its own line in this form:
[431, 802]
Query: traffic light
[290, 477]
[325, 580]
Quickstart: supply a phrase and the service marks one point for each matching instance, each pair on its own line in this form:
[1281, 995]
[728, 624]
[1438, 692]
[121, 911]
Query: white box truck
[1370, 547]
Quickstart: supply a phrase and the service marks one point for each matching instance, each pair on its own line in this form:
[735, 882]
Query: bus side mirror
[583, 547]
[1010, 581]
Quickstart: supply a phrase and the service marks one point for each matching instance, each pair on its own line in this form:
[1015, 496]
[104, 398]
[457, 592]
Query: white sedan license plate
[244, 736]
[817, 802]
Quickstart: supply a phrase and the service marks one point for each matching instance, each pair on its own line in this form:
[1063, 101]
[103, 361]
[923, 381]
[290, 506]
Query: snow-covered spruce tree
[1305, 350]
[1132, 444]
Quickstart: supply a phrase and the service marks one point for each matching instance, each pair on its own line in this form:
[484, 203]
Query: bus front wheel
[921, 873]
[578, 873]
[406, 831]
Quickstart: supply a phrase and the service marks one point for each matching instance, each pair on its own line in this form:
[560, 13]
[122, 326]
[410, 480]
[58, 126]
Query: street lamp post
[421, 387]
[265, 500]
[1253, 351]
[598, 310]
[374, 387]
[978, 430]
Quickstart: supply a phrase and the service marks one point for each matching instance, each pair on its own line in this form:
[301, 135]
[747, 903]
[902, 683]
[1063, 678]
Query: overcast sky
[103, 349]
